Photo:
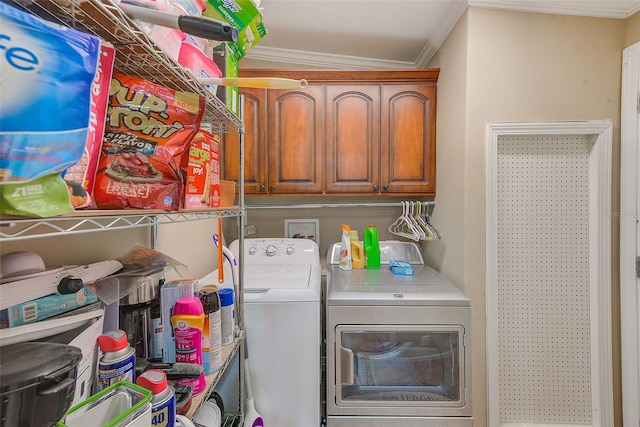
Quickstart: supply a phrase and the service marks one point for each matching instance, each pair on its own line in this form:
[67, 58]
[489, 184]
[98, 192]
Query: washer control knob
[252, 250]
[290, 250]
[271, 250]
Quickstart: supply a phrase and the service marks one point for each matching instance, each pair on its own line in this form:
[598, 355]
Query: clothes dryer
[398, 346]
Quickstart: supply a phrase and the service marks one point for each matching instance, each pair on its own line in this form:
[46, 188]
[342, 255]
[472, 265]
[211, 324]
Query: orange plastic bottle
[357, 250]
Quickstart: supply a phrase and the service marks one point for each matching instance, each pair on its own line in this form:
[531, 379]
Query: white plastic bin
[122, 404]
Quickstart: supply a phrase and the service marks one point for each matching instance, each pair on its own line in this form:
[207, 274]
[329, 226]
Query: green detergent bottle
[371, 248]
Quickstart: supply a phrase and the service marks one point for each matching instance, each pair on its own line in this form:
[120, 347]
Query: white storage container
[123, 404]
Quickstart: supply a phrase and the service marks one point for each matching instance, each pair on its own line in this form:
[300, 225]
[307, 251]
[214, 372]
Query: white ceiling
[387, 33]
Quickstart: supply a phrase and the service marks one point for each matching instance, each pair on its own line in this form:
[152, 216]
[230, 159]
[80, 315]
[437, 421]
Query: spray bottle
[345, 249]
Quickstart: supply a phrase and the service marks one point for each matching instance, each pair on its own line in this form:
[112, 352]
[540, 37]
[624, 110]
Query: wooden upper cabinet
[352, 134]
[255, 165]
[408, 138]
[348, 132]
[295, 141]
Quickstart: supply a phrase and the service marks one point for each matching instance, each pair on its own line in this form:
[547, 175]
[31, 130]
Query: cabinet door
[408, 138]
[352, 133]
[294, 133]
[255, 120]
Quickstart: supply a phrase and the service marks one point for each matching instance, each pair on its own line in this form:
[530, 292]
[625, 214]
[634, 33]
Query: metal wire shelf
[136, 54]
[12, 229]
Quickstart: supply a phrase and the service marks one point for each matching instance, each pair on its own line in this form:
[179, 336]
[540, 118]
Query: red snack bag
[145, 147]
[81, 176]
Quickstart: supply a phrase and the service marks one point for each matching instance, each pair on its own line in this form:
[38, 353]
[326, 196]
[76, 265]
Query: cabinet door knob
[272, 188]
[385, 187]
[375, 188]
[262, 188]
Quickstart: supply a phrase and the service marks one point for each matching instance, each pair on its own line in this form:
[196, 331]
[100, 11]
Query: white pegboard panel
[543, 289]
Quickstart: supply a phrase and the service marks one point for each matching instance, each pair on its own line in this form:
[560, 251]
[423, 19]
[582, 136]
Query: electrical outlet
[302, 229]
[249, 230]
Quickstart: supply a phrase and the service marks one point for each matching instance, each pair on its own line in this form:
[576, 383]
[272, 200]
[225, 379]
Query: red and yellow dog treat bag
[145, 148]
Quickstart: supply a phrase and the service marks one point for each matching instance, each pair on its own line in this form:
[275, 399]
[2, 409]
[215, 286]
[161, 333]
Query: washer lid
[277, 276]
[278, 283]
[382, 287]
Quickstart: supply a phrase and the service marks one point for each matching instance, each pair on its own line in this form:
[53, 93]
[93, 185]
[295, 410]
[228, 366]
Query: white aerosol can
[118, 362]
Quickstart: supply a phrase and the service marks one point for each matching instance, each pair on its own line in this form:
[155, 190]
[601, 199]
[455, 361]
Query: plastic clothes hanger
[427, 220]
[400, 225]
[417, 230]
[429, 234]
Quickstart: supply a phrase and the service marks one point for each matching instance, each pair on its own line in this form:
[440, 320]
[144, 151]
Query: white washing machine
[283, 328]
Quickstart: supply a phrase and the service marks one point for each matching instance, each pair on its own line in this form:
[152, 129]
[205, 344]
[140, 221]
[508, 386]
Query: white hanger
[429, 234]
[427, 220]
[415, 226]
[402, 226]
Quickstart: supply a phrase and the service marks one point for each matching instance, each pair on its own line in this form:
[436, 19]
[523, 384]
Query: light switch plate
[302, 229]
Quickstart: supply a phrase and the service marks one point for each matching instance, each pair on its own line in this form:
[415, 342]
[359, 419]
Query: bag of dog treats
[145, 148]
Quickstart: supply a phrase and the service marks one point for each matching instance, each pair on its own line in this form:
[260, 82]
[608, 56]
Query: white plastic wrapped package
[46, 72]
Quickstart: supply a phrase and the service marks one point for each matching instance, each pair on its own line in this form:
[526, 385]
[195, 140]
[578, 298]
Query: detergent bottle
[357, 251]
[371, 248]
[187, 321]
[344, 262]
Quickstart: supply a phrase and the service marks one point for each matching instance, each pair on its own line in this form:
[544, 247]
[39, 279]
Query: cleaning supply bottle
[187, 322]
[228, 318]
[344, 262]
[212, 330]
[371, 248]
[357, 251]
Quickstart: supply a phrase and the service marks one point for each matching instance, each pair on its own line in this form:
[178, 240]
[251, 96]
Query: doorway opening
[548, 274]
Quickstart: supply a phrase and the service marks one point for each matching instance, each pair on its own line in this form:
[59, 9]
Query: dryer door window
[407, 365]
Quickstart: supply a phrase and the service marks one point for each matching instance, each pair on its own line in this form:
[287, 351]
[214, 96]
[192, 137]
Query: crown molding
[317, 59]
[598, 9]
[431, 47]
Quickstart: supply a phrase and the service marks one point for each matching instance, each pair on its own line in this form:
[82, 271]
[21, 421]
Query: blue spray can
[163, 400]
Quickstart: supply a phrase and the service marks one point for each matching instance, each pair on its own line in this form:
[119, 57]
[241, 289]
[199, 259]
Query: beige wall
[519, 67]
[633, 29]
[81, 248]
[447, 256]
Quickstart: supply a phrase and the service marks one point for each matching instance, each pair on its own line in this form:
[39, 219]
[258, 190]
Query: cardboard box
[215, 201]
[171, 292]
[243, 15]
[199, 174]
[44, 308]
[203, 172]
[401, 267]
